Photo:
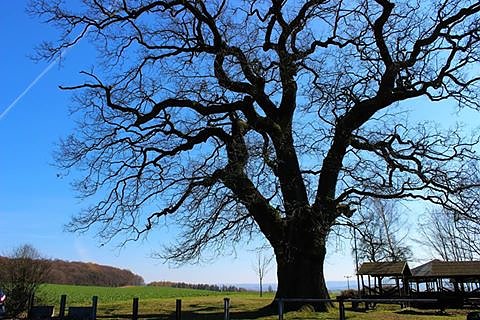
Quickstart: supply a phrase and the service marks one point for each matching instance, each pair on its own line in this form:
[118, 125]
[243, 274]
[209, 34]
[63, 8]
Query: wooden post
[280, 309]
[369, 286]
[178, 309]
[406, 286]
[94, 308]
[30, 305]
[135, 309]
[341, 310]
[63, 303]
[226, 308]
[363, 288]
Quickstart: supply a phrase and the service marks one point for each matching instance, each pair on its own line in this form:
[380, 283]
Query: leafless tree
[262, 265]
[451, 238]
[278, 116]
[21, 272]
[383, 233]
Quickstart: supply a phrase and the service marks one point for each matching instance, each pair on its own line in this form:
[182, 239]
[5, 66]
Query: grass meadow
[159, 303]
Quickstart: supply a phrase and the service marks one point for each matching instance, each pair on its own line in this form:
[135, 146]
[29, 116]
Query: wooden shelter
[384, 279]
[451, 283]
[458, 277]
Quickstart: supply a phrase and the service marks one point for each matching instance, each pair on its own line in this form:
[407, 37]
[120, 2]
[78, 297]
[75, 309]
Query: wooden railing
[341, 303]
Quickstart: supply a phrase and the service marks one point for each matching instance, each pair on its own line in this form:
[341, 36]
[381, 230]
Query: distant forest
[88, 274]
[210, 287]
[91, 274]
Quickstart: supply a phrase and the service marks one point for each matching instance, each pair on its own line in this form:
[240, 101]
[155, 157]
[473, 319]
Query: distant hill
[91, 274]
[88, 274]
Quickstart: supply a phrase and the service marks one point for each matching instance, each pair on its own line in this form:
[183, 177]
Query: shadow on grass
[357, 310]
[422, 312]
[201, 313]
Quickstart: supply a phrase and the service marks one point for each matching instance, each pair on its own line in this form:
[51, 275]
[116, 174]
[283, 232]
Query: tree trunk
[261, 288]
[300, 271]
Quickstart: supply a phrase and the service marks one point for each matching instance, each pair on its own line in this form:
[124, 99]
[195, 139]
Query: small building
[384, 279]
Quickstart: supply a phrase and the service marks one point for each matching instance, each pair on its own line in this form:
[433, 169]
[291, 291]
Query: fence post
[341, 310]
[94, 308]
[226, 308]
[280, 309]
[178, 309]
[63, 303]
[30, 304]
[135, 309]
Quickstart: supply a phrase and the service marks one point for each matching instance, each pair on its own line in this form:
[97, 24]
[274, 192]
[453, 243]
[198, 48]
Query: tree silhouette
[449, 237]
[382, 232]
[261, 267]
[234, 117]
[21, 273]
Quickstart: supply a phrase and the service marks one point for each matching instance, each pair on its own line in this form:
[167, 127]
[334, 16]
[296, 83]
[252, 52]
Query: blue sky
[35, 203]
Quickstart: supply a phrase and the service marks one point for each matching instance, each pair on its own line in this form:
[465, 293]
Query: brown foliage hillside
[89, 274]
[81, 273]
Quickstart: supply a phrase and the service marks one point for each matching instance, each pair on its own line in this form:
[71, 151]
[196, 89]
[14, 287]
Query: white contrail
[40, 76]
[30, 86]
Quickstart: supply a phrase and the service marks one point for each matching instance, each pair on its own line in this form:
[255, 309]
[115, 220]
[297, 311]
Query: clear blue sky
[35, 203]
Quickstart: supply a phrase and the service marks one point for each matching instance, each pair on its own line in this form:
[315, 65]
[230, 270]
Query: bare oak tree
[273, 116]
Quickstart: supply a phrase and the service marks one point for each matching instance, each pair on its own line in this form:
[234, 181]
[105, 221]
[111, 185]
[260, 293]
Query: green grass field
[159, 303]
[83, 294]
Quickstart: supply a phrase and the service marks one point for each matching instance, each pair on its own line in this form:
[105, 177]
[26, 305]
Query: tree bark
[261, 288]
[300, 270]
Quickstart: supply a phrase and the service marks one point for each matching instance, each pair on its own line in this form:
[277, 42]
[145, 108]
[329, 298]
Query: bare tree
[233, 117]
[383, 233]
[21, 272]
[261, 267]
[450, 238]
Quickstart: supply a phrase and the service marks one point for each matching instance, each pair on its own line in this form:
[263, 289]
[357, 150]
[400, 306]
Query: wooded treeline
[81, 273]
[90, 274]
[199, 286]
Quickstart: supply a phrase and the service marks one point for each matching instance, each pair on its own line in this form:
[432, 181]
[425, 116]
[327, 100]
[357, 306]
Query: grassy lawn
[81, 295]
[159, 303]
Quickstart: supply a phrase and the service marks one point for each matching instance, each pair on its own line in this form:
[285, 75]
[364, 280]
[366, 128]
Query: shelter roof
[447, 269]
[381, 269]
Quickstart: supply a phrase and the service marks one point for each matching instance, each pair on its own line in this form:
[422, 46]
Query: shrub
[348, 294]
[20, 274]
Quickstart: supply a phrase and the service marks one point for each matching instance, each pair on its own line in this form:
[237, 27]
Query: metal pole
[348, 281]
[356, 259]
